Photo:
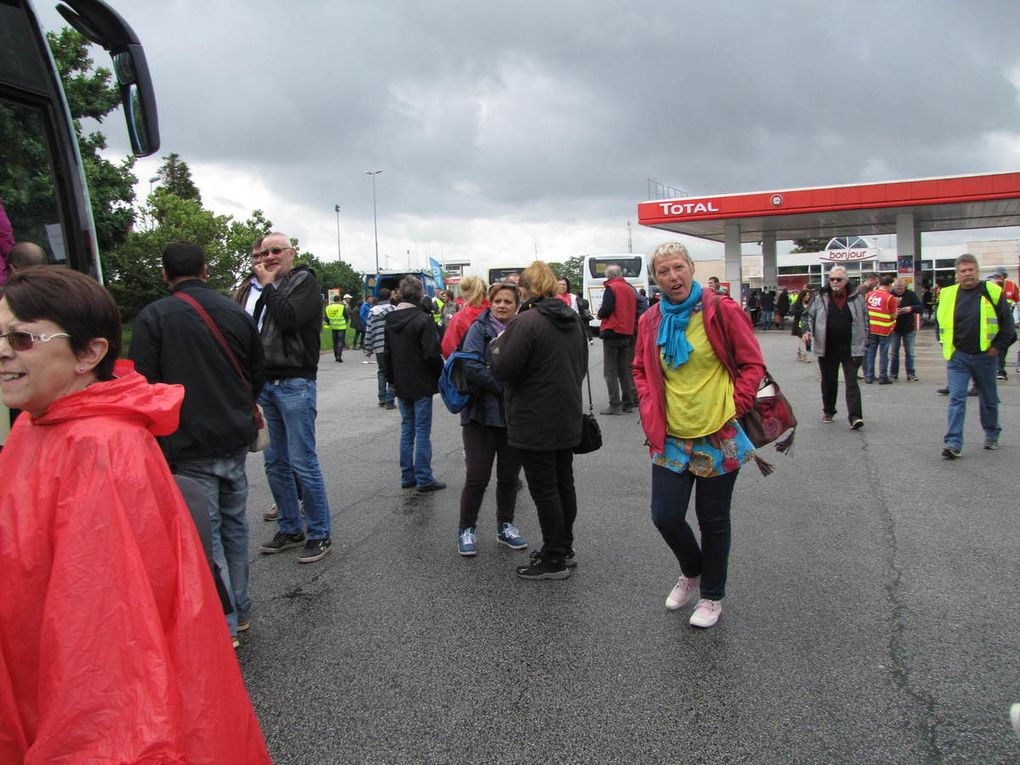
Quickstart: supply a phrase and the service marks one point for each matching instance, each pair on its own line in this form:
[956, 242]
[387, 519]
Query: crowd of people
[160, 443]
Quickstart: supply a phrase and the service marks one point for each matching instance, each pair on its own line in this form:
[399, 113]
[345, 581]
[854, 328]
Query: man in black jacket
[904, 331]
[171, 343]
[289, 315]
[413, 366]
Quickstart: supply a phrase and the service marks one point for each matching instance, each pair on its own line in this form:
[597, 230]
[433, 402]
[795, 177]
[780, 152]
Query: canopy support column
[732, 260]
[769, 271]
[908, 244]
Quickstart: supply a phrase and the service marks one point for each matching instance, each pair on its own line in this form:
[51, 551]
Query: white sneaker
[681, 592]
[706, 613]
[1014, 717]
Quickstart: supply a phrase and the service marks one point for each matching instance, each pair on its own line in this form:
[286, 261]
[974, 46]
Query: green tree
[335, 274]
[573, 270]
[90, 95]
[809, 245]
[175, 178]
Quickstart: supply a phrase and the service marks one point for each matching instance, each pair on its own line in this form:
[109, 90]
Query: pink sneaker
[681, 593]
[706, 613]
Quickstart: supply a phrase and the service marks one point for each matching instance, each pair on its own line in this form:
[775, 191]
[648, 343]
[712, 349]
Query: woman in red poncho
[113, 646]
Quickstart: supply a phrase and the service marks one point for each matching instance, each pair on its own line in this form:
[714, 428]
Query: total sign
[688, 208]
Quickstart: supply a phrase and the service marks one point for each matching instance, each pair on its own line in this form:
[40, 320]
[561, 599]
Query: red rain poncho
[113, 645]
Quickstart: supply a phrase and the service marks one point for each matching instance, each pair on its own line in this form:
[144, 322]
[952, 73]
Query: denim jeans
[551, 484]
[416, 440]
[484, 444]
[907, 338]
[225, 484]
[339, 337]
[671, 494]
[878, 345]
[386, 392]
[618, 355]
[960, 370]
[290, 408]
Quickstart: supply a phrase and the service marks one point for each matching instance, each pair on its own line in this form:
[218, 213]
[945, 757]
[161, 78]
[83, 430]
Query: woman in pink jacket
[690, 406]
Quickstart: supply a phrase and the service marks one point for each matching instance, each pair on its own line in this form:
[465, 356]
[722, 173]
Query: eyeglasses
[23, 341]
[836, 279]
[270, 251]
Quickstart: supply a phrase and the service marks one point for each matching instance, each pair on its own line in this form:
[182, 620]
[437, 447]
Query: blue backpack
[453, 383]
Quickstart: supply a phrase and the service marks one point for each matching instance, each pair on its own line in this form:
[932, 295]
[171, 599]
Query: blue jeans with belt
[960, 370]
[289, 405]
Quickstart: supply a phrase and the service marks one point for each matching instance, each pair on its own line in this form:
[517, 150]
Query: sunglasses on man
[269, 251]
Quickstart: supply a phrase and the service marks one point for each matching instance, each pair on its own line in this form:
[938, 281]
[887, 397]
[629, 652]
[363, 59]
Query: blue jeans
[877, 345]
[226, 491]
[290, 409]
[671, 494]
[416, 440]
[386, 392]
[907, 339]
[960, 369]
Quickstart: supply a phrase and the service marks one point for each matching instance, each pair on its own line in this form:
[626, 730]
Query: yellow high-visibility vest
[335, 318]
[989, 318]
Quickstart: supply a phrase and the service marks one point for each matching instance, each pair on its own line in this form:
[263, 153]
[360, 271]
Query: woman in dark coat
[483, 426]
[542, 358]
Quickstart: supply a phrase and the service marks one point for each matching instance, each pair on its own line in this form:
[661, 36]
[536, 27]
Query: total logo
[690, 208]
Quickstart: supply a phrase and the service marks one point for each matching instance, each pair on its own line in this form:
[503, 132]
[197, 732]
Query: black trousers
[482, 445]
[551, 483]
[829, 366]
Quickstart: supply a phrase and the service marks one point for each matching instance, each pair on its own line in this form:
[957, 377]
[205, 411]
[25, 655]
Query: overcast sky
[506, 129]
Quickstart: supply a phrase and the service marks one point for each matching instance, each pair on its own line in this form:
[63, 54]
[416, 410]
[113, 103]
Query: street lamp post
[337, 208]
[375, 219]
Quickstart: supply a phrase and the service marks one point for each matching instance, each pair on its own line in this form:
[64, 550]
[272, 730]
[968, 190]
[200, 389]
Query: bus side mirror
[105, 27]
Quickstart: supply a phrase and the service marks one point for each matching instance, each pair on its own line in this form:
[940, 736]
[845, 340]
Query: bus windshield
[633, 267]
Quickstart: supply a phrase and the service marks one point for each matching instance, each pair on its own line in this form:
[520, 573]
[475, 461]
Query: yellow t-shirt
[699, 393]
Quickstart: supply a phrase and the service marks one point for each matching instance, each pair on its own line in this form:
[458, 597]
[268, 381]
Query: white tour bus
[635, 272]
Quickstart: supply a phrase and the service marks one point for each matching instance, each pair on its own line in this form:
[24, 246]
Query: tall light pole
[337, 208]
[375, 219]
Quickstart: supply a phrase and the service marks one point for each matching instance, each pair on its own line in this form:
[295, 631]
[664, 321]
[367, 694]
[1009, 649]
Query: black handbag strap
[217, 334]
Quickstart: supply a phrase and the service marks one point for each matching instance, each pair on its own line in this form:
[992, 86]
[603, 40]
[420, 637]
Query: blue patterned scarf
[672, 337]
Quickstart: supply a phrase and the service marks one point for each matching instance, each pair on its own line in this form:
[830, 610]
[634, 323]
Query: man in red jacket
[619, 326]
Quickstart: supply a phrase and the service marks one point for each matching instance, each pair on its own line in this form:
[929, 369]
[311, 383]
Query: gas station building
[903, 208]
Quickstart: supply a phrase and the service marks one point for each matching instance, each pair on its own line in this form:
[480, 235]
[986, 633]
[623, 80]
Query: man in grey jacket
[837, 325]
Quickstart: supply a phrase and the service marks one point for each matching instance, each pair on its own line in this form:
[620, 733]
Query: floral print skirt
[722, 452]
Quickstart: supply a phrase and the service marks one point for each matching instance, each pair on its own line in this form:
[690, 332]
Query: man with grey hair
[837, 324]
[289, 317]
[975, 328]
[618, 331]
[413, 365]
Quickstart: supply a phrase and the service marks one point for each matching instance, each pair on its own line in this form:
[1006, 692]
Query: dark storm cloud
[564, 109]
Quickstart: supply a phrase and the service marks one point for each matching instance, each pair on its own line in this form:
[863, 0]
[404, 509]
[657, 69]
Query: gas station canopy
[935, 204]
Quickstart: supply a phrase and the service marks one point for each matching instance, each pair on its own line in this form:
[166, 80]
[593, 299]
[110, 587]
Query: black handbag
[591, 433]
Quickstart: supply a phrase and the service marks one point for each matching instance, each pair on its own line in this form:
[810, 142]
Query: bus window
[28, 188]
[635, 273]
[500, 275]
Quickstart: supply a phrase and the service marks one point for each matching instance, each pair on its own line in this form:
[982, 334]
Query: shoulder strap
[215, 333]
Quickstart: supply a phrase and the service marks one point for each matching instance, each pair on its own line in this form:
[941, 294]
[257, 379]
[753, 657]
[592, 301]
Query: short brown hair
[509, 287]
[539, 280]
[80, 306]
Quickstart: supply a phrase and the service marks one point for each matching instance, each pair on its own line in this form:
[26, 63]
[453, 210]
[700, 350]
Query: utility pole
[375, 218]
[337, 208]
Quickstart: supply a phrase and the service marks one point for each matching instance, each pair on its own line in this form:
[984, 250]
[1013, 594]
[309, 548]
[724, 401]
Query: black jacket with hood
[542, 358]
[413, 362]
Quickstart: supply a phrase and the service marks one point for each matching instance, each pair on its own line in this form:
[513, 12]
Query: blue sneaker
[466, 542]
[510, 536]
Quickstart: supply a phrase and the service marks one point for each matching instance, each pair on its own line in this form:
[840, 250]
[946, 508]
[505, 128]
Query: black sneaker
[314, 549]
[950, 453]
[282, 541]
[972, 392]
[570, 559]
[543, 568]
[943, 391]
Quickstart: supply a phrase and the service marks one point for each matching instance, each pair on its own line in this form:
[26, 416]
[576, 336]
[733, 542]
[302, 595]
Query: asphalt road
[872, 613]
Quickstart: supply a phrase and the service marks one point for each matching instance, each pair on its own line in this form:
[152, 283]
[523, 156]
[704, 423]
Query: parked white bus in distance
[635, 272]
[500, 273]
